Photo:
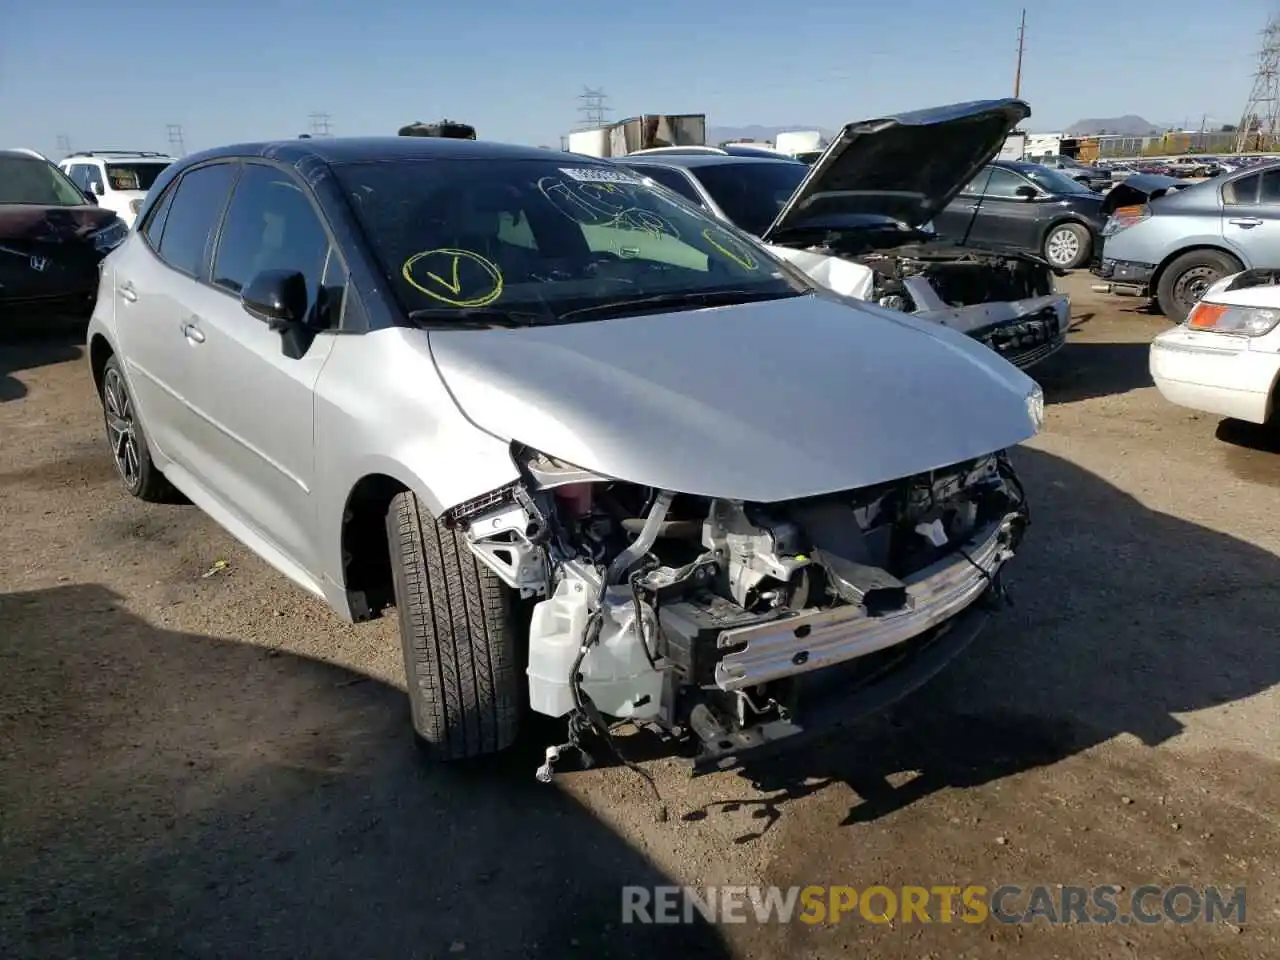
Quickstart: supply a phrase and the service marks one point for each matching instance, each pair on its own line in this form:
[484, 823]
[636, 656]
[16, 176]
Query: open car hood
[764, 401]
[907, 168]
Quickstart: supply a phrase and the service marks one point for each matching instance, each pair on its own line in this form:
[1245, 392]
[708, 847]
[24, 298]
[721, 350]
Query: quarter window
[193, 216]
[270, 225]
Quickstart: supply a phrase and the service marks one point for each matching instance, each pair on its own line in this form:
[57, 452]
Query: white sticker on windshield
[600, 175]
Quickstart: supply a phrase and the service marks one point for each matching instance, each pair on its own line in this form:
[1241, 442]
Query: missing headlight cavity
[650, 604]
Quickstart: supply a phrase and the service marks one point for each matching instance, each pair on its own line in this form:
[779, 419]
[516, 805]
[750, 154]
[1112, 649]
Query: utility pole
[1261, 117]
[320, 126]
[594, 108]
[1022, 36]
[176, 144]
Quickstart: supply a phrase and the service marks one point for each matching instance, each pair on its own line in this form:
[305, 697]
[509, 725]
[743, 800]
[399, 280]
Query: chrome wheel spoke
[120, 428]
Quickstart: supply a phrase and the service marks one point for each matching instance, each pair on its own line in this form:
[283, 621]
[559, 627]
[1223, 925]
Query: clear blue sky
[115, 74]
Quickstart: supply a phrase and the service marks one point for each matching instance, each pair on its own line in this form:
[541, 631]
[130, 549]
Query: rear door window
[193, 216]
[1242, 191]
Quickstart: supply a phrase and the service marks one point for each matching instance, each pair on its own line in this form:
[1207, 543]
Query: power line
[1022, 36]
[177, 146]
[1262, 110]
[320, 126]
[594, 107]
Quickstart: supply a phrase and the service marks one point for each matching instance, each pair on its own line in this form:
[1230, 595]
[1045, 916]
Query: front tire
[1186, 279]
[129, 450]
[459, 632]
[1068, 246]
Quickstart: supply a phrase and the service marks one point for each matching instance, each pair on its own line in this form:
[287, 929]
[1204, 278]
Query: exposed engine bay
[1006, 300]
[699, 615]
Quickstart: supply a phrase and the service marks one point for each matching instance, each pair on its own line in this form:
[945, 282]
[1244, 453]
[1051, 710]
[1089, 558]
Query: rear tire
[459, 632]
[1186, 279]
[128, 444]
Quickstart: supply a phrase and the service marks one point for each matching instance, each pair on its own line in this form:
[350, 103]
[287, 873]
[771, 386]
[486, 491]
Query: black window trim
[173, 189]
[215, 238]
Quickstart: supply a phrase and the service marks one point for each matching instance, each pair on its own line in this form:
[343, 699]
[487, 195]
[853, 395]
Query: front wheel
[459, 632]
[1186, 279]
[1068, 246]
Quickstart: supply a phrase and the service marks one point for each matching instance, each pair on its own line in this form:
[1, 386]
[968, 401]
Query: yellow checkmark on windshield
[455, 285]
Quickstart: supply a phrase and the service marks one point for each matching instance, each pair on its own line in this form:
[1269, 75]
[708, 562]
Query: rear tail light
[1125, 217]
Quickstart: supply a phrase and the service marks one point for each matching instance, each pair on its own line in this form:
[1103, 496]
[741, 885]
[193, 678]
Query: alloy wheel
[1063, 247]
[122, 431]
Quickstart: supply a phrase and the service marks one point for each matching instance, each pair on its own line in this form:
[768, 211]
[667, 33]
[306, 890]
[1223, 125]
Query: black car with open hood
[52, 237]
[904, 168]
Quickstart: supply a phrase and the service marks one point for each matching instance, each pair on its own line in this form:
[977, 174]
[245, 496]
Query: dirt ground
[214, 766]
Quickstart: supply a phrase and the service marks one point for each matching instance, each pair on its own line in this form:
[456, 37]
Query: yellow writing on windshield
[731, 247]
[460, 278]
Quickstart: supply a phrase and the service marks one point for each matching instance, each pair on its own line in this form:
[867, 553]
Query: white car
[118, 179]
[1226, 358]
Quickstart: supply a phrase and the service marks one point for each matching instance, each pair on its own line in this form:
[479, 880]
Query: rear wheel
[128, 443]
[459, 631]
[1186, 279]
[1068, 246]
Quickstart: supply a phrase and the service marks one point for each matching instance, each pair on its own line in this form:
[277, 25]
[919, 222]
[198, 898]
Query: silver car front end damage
[811, 641]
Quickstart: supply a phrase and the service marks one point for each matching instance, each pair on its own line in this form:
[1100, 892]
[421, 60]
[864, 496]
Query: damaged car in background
[583, 438]
[860, 221]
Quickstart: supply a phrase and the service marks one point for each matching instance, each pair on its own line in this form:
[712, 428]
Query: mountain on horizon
[1130, 125]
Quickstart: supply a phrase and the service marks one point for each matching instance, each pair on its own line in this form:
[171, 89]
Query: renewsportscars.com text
[972, 903]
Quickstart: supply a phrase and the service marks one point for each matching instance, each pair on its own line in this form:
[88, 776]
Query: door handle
[191, 330]
[128, 292]
[1246, 221]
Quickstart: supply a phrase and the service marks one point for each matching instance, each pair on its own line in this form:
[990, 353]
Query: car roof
[340, 150]
[695, 160]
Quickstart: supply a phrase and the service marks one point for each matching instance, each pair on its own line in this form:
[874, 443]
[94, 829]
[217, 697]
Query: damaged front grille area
[1028, 339]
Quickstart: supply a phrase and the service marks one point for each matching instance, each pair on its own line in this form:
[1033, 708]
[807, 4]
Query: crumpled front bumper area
[1024, 332]
[807, 642]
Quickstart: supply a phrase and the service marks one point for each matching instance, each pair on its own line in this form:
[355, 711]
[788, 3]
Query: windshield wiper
[475, 318]
[659, 303]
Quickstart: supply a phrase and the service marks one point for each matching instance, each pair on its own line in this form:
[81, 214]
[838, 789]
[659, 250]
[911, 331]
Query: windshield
[546, 238]
[28, 180]
[751, 194]
[1054, 181]
[134, 175]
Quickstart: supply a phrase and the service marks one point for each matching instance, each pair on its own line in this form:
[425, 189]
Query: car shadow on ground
[1124, 618]
[23, 348]
[1085, 370]
[171, 795]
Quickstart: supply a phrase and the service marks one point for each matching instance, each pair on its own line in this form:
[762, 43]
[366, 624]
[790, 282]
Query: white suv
[119, 179]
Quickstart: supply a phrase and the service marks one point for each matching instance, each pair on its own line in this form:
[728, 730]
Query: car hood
[762, 402]
[50, 224]
[907, 167]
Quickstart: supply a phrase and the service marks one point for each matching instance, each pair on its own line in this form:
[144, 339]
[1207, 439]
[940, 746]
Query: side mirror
[277, 297]
[98, 189]
[1026, 192]
[90, 196]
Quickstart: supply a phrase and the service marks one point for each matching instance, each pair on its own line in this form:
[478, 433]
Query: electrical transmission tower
[64, 144]
[594, 107]
[176, 145]
[1261, 118]
[320, 126]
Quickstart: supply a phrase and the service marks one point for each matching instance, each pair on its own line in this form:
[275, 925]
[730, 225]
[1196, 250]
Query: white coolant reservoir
[616, 674]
